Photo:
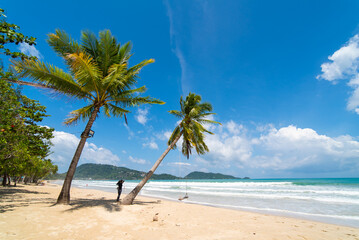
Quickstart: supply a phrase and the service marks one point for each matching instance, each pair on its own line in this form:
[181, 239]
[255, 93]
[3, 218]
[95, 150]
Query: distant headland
[110, 172]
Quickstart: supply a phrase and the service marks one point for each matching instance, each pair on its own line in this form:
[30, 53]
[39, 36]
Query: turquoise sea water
[331, 200]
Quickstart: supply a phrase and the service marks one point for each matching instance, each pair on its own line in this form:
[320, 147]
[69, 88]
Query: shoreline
[28, 212]
[329, 219]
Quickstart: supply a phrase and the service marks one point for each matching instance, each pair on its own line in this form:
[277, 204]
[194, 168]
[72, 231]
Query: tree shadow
[138, 202]
[10, 198]
[109, 204]
[6, 191]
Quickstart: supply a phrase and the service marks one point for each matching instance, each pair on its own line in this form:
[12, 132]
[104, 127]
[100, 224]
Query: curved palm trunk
[64, 197]
[128, 200]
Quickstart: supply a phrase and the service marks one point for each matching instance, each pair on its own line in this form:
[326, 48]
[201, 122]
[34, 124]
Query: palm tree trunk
[64, 197]
[4, 179]
[128, 200]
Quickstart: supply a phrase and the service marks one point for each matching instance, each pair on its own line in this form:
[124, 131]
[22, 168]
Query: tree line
[24, 144]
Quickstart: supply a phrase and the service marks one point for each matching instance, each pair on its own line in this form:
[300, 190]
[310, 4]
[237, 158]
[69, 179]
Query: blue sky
[282, 77]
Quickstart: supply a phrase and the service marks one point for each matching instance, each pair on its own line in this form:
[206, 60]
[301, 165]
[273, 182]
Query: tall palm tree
[99, 74]
[193, 114]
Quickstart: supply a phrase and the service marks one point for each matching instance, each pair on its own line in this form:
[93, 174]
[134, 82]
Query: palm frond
[108, 50]
[114, 79]
[174, 135]
[50, 76]
[86, 72]
[176, 113]
[62, 43]
[125, 52]
[76, 115]
[130, 101]
[89, 43]
[129, 78]
[117, 111]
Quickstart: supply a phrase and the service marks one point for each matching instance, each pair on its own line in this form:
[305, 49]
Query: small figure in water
[119, 189]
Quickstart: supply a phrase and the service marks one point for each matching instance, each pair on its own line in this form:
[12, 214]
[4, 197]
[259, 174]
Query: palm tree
[99, 74]
[193, 114]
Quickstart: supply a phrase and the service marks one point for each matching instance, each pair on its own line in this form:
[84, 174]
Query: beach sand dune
[29, 212]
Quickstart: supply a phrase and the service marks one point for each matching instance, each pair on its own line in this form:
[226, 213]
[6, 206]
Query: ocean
[330, 200]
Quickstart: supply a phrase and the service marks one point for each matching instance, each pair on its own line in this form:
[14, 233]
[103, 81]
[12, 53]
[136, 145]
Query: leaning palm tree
[99, 74]
[193, 114]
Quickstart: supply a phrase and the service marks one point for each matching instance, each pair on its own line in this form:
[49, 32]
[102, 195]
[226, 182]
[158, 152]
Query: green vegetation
[109, 172]
[193, 114]
[24, 145]
[9, 34]
[203, 175]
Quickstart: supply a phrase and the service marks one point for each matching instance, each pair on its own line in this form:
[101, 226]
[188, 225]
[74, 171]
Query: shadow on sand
[11, 198]
[109, 204]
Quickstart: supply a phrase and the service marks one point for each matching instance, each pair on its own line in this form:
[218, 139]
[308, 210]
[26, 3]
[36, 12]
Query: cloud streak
[176, 49]
[137, 160]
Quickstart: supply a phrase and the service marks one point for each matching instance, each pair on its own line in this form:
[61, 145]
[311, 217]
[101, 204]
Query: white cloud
[137, 160]
[151, 144]
[344, 65]
[29, 50]
[141, 116]
[291, 147]
[64, 147]
[285, 149]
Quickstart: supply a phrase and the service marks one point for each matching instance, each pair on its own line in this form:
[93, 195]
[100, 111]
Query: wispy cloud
[130, 132]
[180, 163]
[344, 65]
[137, 160]
[151, 144]
[29, 50]
[176, 49]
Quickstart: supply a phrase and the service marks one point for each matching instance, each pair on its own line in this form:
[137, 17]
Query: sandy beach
[29, 212]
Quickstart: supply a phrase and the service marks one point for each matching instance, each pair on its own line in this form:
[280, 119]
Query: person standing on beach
[119, 189]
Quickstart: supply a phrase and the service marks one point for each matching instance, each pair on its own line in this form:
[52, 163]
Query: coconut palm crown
[193, 115]
[98, 73]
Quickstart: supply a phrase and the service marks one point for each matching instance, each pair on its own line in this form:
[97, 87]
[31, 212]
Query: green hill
[110, 172]
[203, 175]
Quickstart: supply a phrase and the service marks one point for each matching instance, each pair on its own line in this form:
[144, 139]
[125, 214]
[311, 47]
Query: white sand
[28, 212]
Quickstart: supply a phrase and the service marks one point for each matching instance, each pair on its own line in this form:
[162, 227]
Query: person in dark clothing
[119, 189]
